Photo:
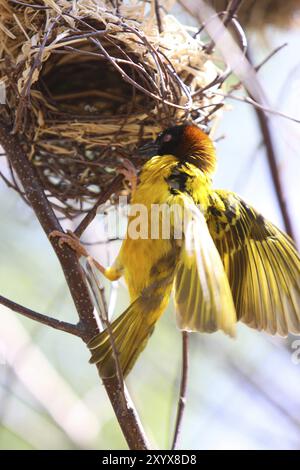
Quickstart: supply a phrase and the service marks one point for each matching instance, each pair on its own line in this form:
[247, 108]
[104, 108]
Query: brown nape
[197, 148]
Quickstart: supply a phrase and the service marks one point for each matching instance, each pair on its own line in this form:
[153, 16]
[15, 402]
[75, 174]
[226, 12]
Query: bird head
[187, 143]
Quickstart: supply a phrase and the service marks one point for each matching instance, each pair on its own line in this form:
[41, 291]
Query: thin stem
[28, 5]
[183, 389]
[261, 64]
[274, 170]
[45, 319]
[157, 14]
[233, 6]
[101, 200]
[256, 104]
[26, 89]
[270, 56]
[266, 131]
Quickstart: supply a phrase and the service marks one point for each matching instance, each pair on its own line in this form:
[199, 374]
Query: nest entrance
[89, 85]
[83, 94]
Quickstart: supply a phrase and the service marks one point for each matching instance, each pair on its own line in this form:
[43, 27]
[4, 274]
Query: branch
[257, 97]
[28, 5]
[232, 8]
[44, 212]
[255, 104]
[183, 389]
[158, 17]
[270, 56]
[274, 170]
[49, 321]
[257, 67]
[125, 413]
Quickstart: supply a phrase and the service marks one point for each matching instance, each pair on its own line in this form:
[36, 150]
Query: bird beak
[148, 150]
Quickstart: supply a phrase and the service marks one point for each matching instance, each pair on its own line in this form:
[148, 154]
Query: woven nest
[257, 14]
[86, 83]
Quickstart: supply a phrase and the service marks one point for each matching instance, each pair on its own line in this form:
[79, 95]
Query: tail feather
[130, 333]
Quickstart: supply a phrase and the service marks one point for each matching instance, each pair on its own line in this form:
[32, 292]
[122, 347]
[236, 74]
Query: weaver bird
[231, 264]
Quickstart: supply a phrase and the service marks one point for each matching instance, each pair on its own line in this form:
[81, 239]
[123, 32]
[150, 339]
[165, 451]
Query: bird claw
[130, 173]
[71, 240]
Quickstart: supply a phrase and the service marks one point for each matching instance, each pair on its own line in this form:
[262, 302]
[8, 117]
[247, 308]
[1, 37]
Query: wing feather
[202, 293]
[262, 265]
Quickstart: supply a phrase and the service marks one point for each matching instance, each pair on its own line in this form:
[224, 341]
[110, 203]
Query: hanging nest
[258, 14]
[86, 83]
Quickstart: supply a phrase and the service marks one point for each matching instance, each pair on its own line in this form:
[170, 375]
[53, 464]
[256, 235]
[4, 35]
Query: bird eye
[167, 138]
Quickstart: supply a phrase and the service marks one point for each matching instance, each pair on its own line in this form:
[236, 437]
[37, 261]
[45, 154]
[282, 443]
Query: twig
[220, 78]
[233, 6]
[183, 389]
[29, 5]
[9, 184]
[262, 63]
[45, 319]
[271, 156]
[269, 56]
[126, 415]
[272, 161]
[132, 82]
[101, 200]
[157, 14]
[26, 89]
[250, 100]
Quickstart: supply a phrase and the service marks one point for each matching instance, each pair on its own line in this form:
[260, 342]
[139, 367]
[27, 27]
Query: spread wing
[261, 262]
[201, 290]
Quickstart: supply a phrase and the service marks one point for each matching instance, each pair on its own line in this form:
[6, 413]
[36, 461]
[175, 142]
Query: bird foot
[69, 238]
[130, 173]
[73, 242]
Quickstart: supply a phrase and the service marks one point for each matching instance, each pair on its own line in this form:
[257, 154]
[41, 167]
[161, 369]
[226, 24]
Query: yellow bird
[231, 263]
